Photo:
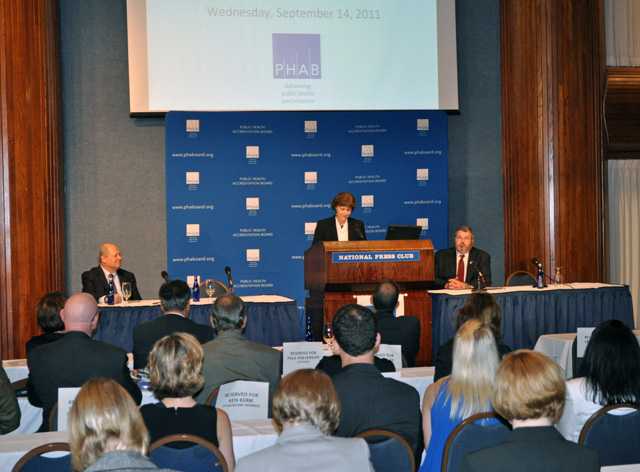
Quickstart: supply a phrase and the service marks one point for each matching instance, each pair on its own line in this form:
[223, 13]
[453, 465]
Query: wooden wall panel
[552, 85]
[32, 241]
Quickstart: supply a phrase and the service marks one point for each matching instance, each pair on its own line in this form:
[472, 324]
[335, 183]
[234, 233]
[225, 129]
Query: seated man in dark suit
[369, 400]
[403, 330]
[75, 358]
[96, 280]
[175, 298]
[231, 356]
[459, 267]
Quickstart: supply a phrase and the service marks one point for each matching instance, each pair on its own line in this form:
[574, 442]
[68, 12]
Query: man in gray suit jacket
[231, 356]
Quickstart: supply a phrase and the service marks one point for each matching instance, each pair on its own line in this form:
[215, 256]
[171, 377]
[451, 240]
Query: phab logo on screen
[253, 255]
[310, 178]
[422, 175]
[310, 126]
[296, 56]
[366, 150]
[423, 223]
[309, 228]
[193, 126]
[422, 124]
[366, 201]
[192, 178]
[252, 203]
[193, 231]
[253, 152]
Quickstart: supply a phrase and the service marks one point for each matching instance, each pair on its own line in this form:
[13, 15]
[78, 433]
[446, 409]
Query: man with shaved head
[96, 280]
[75, 358]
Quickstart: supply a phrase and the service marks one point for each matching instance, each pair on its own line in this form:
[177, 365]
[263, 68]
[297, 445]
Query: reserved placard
[302, 355]
[66, 396]
[582, 338]
[244, 400]
[392, 352]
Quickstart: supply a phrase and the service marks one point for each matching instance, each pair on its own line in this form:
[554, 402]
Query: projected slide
[290, 55]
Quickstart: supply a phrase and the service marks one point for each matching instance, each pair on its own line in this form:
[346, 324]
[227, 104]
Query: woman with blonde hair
[464, 393]
[530, 394]
[175, 375]
[106, 431]
[306, 411]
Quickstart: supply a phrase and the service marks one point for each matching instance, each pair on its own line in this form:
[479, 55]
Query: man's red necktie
[460, 272]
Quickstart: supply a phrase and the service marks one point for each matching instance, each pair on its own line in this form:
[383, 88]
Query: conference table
[271, 319]
[528, 313]
[559, 346]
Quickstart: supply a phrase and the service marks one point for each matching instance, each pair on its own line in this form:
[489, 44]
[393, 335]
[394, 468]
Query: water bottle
[540, 278]
[111, 292]
[558, 277]
[195, 291]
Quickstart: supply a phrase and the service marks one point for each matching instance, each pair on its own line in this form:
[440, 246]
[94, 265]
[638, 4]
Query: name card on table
[66, 396]
[244, 400]
[392, 352]
[302, 355]
[582, 338]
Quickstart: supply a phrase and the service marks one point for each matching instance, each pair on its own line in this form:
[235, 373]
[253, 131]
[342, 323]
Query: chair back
[200, 455]
[615, 437]
[520, 277]
[219, 288]
[389, 451]
[34, 460]
[473, 434]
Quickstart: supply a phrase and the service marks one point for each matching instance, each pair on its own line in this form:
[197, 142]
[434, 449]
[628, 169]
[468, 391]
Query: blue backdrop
[244, 189]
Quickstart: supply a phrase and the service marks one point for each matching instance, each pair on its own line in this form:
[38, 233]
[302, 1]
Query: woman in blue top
[464, 393]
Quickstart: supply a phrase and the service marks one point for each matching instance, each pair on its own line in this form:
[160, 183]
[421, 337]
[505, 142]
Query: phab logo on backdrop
[422, 176]
[192, 179]
[310, 179]
[192, 126]
[366, 150]
[423, 223]
[309, 228]
[252, 205]
[253, 152]
[366, 202]
[253, 257]
[310, 126]
[296, 56]
[422, 124]
[193, 232]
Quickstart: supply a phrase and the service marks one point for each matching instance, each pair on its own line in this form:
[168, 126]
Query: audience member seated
[332, 365]
[75, 358]
[175, 299]
[106, 431]
[175, 374]
[610, 374]
[9, 410]
[466, 392]
[369, 400]
[48, 314]
[402, 330]
[96, 280]
[481, 306]
[306, 411]
[231, 356]
[529, 393]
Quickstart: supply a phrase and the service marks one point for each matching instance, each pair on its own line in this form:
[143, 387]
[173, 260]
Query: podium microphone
[227, 270]
[165, 275]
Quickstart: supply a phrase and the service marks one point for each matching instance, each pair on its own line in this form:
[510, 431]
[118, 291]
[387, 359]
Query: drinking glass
[210, 287]
[126, 292]
[327, 333]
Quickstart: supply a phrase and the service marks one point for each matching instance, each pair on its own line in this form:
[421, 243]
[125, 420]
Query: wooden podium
[335, 272]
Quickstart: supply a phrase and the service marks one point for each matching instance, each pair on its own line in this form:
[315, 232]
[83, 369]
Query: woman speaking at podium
[340, 227]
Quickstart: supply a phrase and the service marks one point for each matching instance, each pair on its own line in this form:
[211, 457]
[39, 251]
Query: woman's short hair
[344, 199]
[104, 418]
[307, 396]
[529, 385]
[475, 361]
[611, 364]
[481, 306]
[175, 366]
[48, 312]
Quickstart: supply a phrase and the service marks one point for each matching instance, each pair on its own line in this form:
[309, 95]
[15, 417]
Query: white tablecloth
[248, 437]
[525, 288]
[558, 347]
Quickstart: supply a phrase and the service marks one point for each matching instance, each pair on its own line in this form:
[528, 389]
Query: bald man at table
[96, 280]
